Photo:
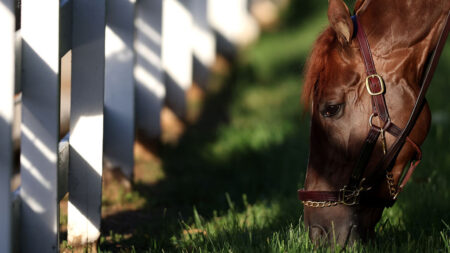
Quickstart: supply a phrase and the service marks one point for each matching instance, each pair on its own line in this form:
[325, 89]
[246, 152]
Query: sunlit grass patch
[237, 230]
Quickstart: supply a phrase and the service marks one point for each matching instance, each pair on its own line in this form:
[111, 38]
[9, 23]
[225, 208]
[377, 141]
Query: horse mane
[315, 67]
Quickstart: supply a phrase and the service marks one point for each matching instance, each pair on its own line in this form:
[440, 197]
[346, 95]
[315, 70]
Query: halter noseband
[359, 189]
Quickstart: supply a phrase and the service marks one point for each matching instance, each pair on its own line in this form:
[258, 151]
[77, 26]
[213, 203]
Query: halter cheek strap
[359, 189]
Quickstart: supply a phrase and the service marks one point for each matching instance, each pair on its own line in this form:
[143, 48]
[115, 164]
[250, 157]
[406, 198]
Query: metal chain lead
[310, 203]
[391, 185]
[348, 197]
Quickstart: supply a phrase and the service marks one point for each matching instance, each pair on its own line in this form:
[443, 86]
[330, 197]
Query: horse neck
[406, 33]
[396, 24]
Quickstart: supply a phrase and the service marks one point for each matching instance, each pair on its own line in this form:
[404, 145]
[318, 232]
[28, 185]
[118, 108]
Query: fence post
[40, 126]
[203, 43]
[150, 89]
[233, 24]
[7, 28]
[86, 121]
[119, 86]
[177, 52]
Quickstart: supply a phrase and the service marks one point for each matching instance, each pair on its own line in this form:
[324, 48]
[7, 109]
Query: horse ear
[358, 5]
[340, 20]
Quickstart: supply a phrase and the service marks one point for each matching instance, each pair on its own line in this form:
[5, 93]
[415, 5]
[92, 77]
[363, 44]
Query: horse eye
[331, 110]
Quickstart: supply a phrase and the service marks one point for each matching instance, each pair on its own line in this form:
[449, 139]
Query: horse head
[345, 109]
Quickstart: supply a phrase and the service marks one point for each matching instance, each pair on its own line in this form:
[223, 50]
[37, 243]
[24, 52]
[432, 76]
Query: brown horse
[401, 35]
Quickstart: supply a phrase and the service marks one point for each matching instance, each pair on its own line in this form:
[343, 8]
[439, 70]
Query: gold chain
[319, 203]
[347, 197]
[391, 185]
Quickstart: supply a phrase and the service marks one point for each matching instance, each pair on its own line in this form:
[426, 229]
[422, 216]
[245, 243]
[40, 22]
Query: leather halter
[359, 190]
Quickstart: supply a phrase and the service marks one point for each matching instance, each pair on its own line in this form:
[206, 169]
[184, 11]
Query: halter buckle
[381, 85]
[349, 197]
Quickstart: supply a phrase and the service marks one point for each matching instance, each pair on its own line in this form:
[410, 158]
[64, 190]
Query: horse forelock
[315, 67]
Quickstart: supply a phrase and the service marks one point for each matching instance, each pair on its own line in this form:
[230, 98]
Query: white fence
[128, 59]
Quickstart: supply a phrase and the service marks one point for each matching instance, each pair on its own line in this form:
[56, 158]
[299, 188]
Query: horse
[362, 84]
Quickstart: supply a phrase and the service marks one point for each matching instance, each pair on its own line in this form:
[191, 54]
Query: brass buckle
[349, 197]
[381, 84]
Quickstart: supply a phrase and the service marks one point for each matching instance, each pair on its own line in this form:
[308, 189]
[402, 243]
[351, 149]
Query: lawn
[229, 184]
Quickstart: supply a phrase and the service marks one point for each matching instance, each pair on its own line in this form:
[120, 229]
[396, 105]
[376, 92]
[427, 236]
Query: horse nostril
[317, 233]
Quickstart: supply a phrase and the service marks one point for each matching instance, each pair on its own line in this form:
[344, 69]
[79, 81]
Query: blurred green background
[230, 183]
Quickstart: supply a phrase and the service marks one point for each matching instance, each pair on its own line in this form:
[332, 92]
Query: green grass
[230, 184]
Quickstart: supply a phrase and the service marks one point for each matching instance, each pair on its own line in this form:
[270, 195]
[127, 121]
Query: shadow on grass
[194, 178]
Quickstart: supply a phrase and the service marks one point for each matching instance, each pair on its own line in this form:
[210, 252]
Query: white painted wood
[203, 42]
[233, 23]
[7, 27]
[65, 37]
[18, 99]
[18, 60]
[177, 53]
[119, 86]
[40, 126]
[86, 121]
[148, 74]
[17, 117]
